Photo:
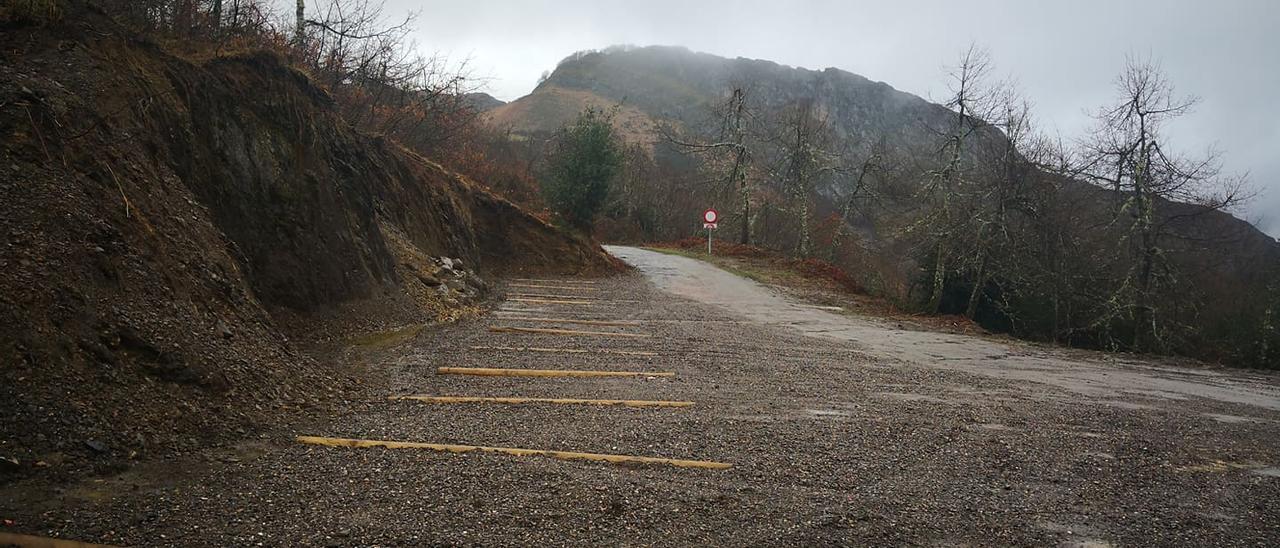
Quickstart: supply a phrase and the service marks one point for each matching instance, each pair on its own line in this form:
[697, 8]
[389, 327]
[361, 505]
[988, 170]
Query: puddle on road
[1270, 471]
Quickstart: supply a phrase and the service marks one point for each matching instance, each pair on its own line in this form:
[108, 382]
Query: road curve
[1098, 376]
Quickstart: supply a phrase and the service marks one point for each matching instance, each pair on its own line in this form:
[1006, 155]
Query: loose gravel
[829, 447]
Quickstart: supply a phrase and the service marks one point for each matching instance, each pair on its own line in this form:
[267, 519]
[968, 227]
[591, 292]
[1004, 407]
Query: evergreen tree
[586, 156]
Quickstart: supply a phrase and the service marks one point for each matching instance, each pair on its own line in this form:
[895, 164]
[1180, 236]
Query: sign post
[709, 219]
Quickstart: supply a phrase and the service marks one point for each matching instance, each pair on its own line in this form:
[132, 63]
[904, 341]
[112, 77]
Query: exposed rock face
[673, 84]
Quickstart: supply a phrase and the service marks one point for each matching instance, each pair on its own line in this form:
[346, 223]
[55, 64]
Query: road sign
[709, 218]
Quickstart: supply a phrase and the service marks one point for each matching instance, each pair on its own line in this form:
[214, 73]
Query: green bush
[586, 157]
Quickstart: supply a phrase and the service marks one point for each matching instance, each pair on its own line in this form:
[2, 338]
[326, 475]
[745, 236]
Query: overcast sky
[1064, 54]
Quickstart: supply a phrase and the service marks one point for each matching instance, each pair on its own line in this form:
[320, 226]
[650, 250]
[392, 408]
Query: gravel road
[840, 431]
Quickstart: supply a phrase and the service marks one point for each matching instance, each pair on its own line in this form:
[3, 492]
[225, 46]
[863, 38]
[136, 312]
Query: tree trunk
[300, 23]
[1056, 315]
[976, 294]
[216, 15]
[1145, 329]
[745, 237]
[839, 233]
[939, 279]
[835, 242]
[736, 106]
[803, 218]
[1144, 332]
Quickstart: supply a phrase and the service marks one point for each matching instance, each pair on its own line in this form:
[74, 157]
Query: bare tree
[805, 159]
[973, 100]
[860, 191]
[733, 132]
[1130, 154]
[728, 154]
[1006, 166]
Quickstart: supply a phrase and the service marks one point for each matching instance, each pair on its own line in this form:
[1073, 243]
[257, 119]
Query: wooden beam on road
[500, 372]
[568, 332]
[566, 350]
[549, 301]
[614, 323]
[587, 298]
[563, 455]
[561, 287]
[542, 296]
[546, 281]
[559, 401]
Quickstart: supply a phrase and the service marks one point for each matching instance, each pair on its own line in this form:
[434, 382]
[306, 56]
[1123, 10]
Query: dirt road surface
[839, 430]
[1095, 378]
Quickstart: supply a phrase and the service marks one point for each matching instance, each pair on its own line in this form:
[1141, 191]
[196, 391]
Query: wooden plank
[546, 281]
[499, 372]
[566, 350]
[586, 298]
[560, 287]
[544, 296]
[568, 332]
[29, 541]
[559, 401]
[564, 455]
[616, 323]
[554, 279]
[548, 301]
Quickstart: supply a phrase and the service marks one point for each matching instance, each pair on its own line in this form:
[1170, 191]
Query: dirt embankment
[160, 216]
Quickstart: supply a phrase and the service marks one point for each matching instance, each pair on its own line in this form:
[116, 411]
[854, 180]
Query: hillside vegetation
[956, 208]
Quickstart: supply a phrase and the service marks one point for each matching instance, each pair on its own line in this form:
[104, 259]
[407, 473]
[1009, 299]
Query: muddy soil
[837, 433]
[169, 225]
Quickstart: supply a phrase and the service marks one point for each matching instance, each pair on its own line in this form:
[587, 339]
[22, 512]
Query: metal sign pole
[709, 219]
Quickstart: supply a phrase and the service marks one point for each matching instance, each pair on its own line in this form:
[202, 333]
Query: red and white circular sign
[710, 216]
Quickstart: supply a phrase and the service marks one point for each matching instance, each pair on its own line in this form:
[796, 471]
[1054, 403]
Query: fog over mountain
[1064, 55]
